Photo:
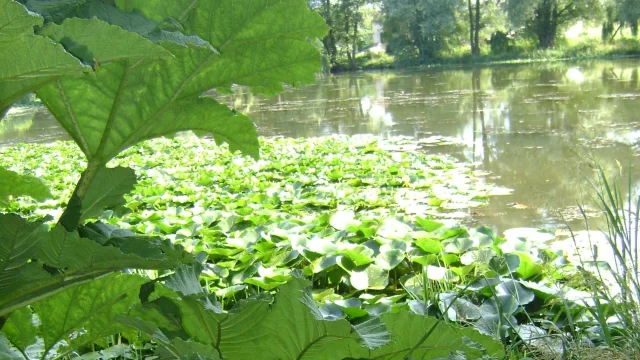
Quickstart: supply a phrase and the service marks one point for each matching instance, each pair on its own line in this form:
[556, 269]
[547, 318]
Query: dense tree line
[422, 30]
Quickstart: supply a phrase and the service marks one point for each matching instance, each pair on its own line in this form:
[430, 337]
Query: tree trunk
[471, 31]
[354, 42]
[608, 24]
[329, 41]
[547, 23]
[634, 28]
[347, 30]
[476, 49]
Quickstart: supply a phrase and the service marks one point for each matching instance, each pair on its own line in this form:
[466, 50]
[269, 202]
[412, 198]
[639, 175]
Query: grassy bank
[518, 53]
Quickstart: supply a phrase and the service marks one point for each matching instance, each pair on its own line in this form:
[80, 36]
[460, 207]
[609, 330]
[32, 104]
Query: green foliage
[62, 286]
[107, 190]
[13, 184]
[420, 29]
[90, 307]
[544, 18]
[294, 327]
[615, 285]
[81, 32]
[259, 220]
[21, 71]
[36, 263]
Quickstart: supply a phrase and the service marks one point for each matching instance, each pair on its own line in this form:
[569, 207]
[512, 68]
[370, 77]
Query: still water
[535, 128]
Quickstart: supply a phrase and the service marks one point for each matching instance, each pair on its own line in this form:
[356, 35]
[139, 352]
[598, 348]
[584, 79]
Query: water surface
[535, 128]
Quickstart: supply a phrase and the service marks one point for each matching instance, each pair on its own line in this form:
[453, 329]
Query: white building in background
[378, 46]
[377, 33]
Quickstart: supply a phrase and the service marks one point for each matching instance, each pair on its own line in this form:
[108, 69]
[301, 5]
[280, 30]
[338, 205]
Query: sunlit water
[534, 128]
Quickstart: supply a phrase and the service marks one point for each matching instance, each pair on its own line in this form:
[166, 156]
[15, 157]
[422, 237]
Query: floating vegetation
[371, 223]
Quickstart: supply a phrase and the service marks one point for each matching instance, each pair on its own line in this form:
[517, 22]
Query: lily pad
[533, 235]
[393, 229]
[373, 277]
[389, 259]
[511, 287]
[341, 220]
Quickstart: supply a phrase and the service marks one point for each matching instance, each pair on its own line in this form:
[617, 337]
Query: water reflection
[535, 128]
[26, 124]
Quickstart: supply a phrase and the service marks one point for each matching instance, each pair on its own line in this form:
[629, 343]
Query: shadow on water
[535, 128]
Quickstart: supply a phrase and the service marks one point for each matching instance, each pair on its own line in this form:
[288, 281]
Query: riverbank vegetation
[375, 228]
[124, 244]
[368, 34]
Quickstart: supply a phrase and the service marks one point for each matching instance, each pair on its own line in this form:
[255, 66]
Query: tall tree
[351, 20]
[419, 28]
[546, 17]
[346, 21]
[474, 27]
[629, 13]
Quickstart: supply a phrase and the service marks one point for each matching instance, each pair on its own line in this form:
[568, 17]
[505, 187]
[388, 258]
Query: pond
[534, 128]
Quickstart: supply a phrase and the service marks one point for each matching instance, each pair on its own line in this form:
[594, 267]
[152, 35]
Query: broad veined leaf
[89, 308]
[20, 329]
[292, 328]
[131, 101]
[126, 103]
[107, 189]
[71, 253]
[306, 335]
[28, 61]
[19, 242]
[186, 280]
[204, 321]
[14, 184]
[170, 349]
[233, 334]
[191, 350]
[94, 33]
[262, 44]
[58, 11]
[71, 259]
[408, 329]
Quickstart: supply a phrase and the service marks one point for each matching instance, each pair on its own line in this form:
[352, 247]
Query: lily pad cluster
[368, 221]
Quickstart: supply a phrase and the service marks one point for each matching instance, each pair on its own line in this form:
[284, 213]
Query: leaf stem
[69, 223]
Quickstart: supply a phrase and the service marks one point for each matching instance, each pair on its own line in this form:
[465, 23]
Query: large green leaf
[71, 260]
[14, 184]
[7, 352]
[58, 11]
[19, 242]
[92, 33]
[107, 189]
[68, 251]
[207, 324]
[171, 349]
[128, 102]
[295, 329]
[87, 311]
[408, 329]
[233, 334]
[292, 328]
[28, 61]
[21, 329]
[262, 43]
